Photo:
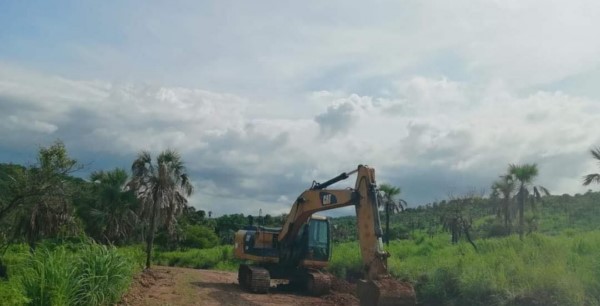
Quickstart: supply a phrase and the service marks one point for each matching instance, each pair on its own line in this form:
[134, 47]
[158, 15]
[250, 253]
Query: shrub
[199, 237]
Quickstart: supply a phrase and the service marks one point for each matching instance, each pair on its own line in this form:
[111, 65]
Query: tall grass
[84, 274]
[540, 270]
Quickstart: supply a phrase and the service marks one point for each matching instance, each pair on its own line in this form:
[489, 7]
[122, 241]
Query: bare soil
[181, 286]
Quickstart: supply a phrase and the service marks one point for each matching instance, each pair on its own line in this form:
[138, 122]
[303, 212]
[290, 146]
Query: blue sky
[262, 98]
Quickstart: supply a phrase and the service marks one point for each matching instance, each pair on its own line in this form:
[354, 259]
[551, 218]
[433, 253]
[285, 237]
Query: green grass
[220, 258]
[70, 274]
[563, 269]
[559, 270]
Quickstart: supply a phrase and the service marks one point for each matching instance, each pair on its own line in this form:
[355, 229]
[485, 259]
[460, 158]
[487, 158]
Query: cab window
[318, 239]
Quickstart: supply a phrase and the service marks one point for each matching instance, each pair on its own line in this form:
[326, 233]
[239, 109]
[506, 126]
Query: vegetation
[538, 270]
[38, 199]
[161, 188]
[58, 235]
[111, 211]
[391, 205]
[84, 273]
[524, 175]
[593, 177]
[220, 258]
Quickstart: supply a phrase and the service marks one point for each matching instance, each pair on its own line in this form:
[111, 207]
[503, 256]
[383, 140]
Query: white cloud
[451, 135]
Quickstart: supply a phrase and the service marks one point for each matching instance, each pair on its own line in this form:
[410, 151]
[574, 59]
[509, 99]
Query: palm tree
[391, 205]
[525, 174]
[593, 177]
[505, 187]
[162, 188]
[113, 209]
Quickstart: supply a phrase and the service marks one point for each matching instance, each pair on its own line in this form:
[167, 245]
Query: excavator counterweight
[300, 250]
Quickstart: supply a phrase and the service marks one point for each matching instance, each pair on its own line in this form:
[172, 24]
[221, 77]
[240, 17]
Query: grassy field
[68, 274]
[540, 270]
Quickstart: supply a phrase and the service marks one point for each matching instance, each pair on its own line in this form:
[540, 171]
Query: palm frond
[591, 178]
[142, 164]
[596, 153]
[524, 173]
[389, 191]
[97, 176]
[402, 205]
[537, 194]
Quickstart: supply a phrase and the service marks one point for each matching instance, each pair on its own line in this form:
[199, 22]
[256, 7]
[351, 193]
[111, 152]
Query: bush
[199, 237]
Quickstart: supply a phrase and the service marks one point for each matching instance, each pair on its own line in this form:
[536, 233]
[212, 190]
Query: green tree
[593, 177]
[504, 188]
[111, 214]
[41, 199]
[227, 225]
[391, 205]
[199, 237]
[525, 175]
[46, 178]
[162, 188]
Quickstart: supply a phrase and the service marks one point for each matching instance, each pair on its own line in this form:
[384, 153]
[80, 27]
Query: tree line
[46, 201]
[514, 204]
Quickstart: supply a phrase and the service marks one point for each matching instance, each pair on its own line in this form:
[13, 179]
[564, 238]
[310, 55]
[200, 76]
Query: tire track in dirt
[182, 286]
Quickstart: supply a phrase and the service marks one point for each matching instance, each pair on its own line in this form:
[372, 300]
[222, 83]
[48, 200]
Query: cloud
[430, 136]
[262, 99]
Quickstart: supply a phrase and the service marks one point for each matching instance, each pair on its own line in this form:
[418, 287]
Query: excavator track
[254, 279]
[318, 283]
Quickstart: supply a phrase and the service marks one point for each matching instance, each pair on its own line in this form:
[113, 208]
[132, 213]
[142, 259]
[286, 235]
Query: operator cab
[316, 237]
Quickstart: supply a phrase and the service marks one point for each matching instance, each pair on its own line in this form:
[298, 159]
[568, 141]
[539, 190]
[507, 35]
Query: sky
[263, 97]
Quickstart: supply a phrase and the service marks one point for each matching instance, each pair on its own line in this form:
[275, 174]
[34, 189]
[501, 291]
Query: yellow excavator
[301, 249]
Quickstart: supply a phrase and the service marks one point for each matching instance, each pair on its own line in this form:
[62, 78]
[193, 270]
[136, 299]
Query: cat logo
[327, 198]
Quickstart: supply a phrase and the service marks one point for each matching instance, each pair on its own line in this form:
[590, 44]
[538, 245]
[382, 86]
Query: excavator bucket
[386, 292]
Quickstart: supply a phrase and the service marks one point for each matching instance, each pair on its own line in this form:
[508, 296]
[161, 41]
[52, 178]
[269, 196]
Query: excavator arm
[363, 197]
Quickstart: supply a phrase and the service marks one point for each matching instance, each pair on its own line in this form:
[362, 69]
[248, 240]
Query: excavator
[300, 250]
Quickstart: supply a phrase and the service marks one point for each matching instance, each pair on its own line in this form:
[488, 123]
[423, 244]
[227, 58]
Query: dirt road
[180, 286]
